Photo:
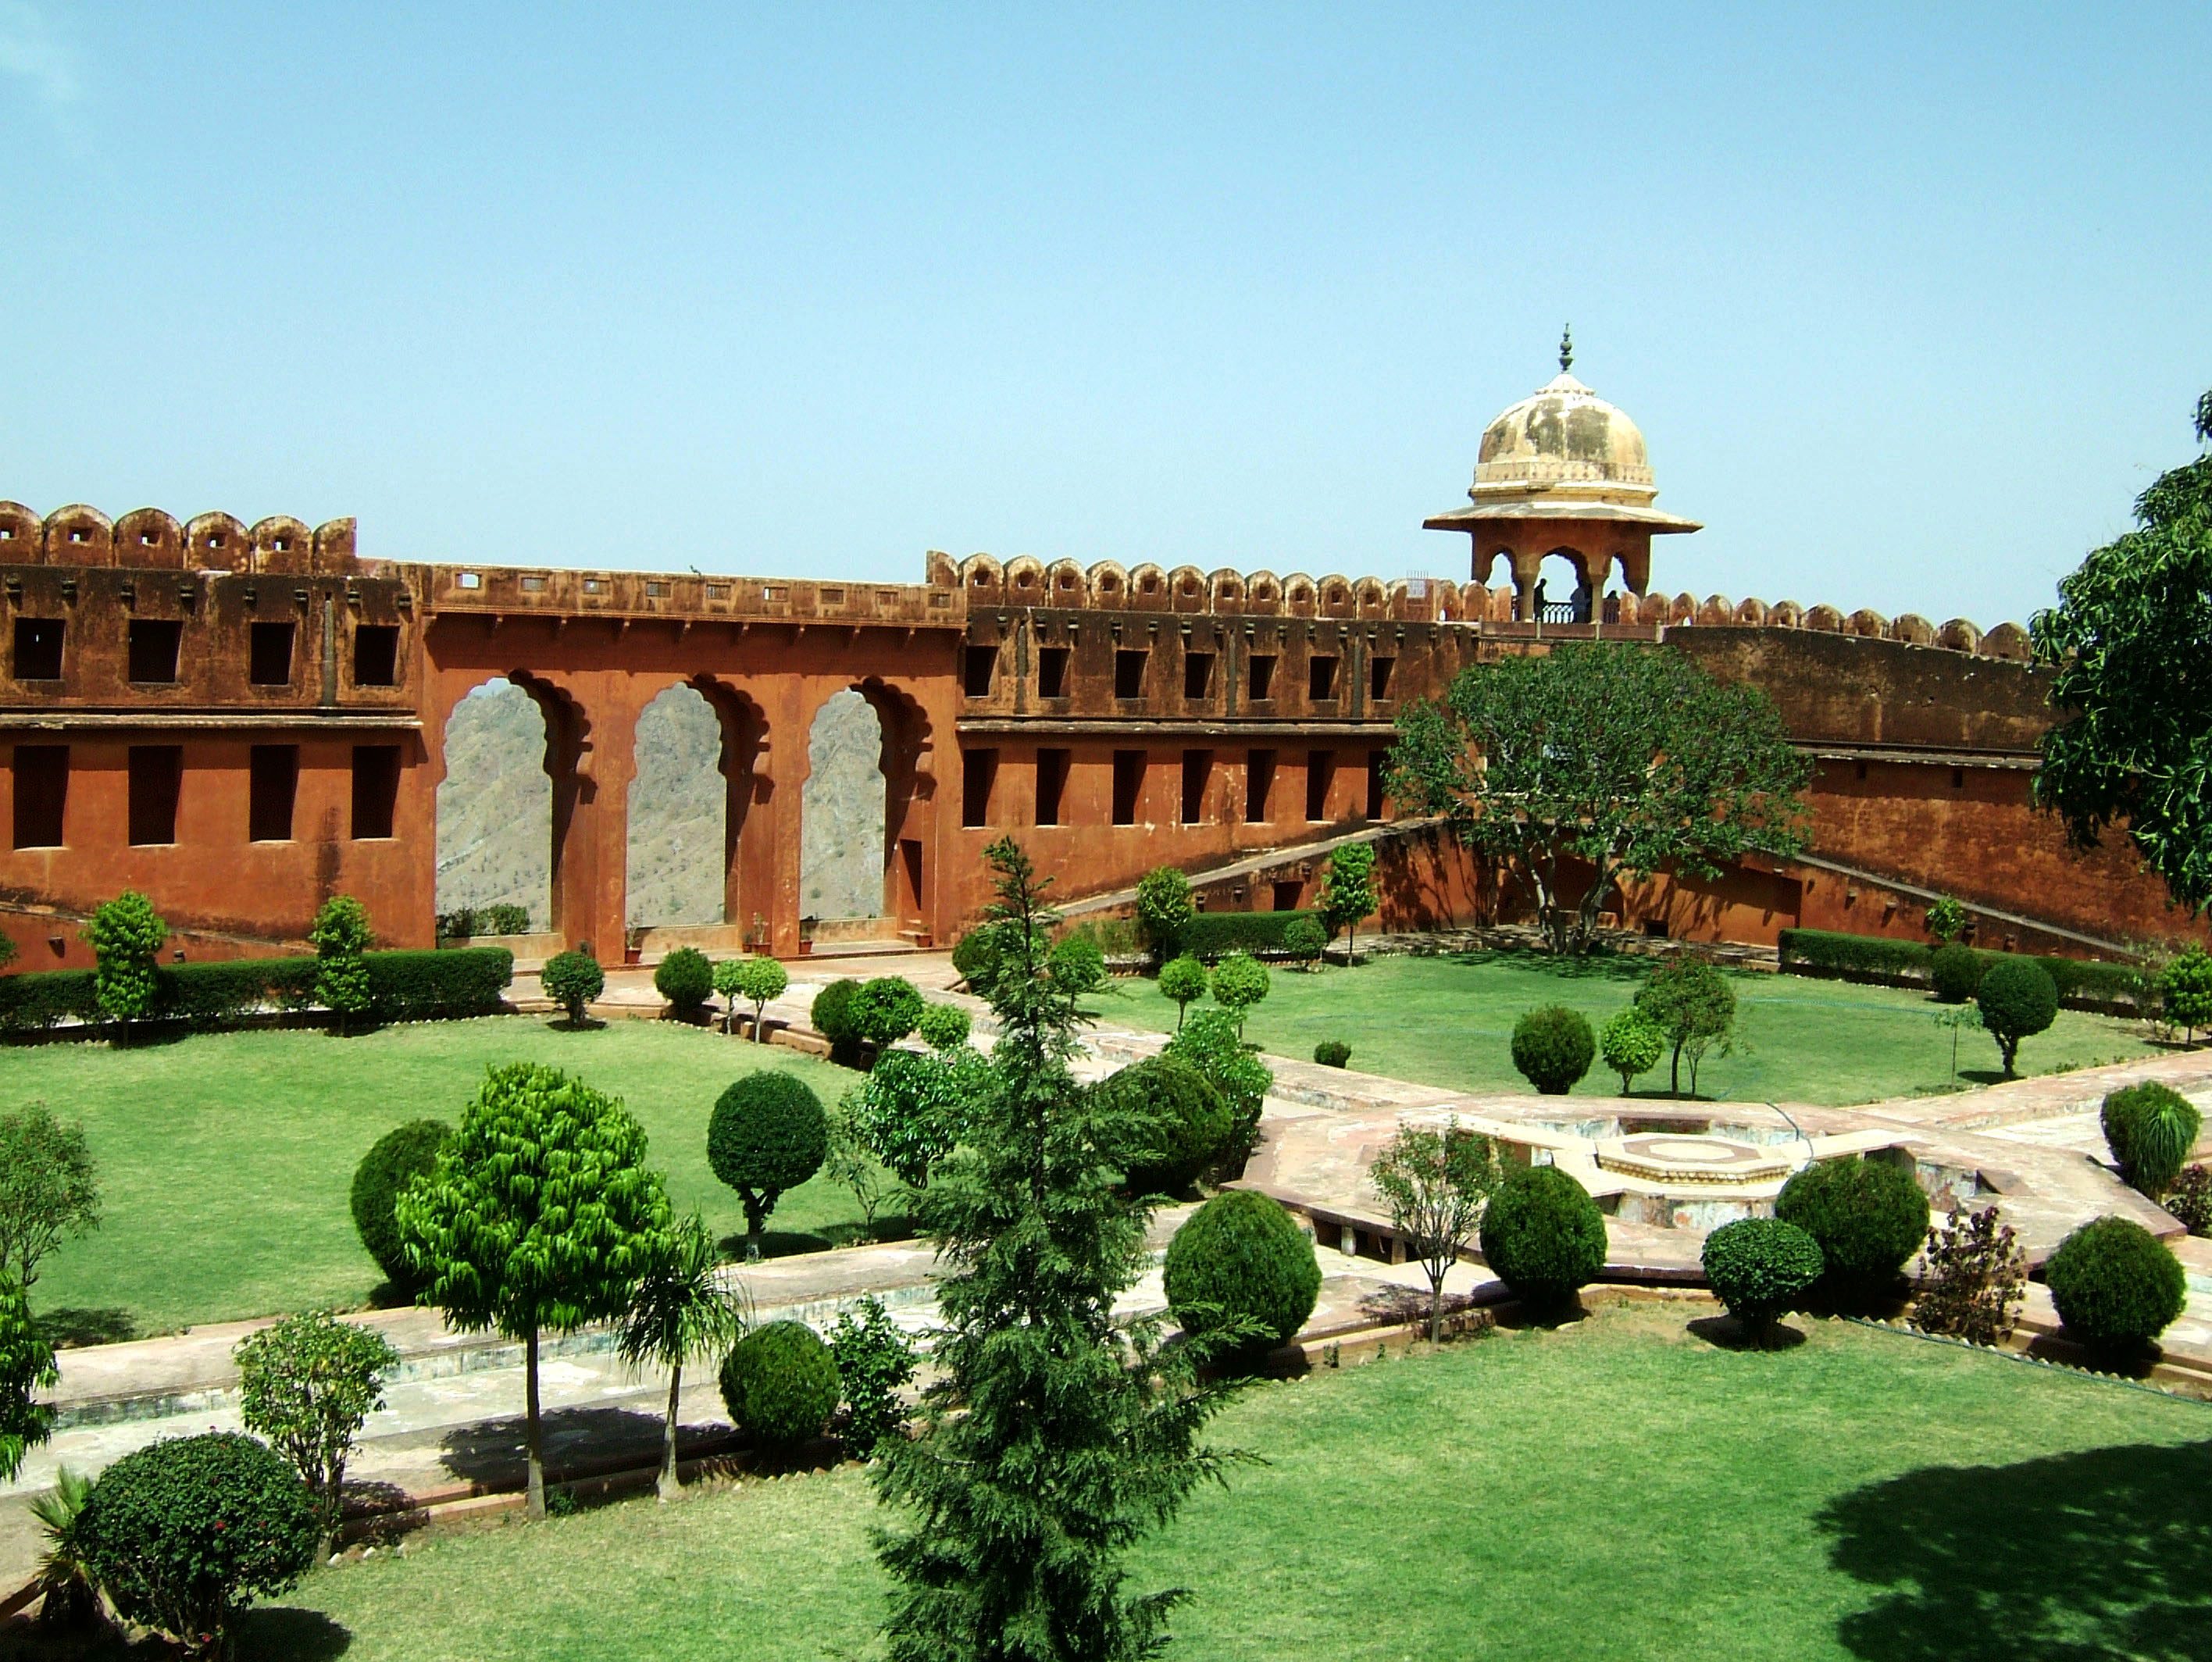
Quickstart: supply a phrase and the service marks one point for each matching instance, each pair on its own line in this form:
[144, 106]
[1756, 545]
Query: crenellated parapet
[149, 539]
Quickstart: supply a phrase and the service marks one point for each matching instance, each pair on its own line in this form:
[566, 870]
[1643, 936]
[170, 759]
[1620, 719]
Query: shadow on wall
[2106, 1553]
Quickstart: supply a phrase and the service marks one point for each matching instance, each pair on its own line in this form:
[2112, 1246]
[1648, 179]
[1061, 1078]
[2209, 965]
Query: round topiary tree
[1954, 970]
[1182, 979]
[184, 1533]
[944, 1026]
[780, 1385]
[2017, 998]
[1632, 1043]
[1553, 1047]
[1189, 1120]
[1240, 981]
[1079, 964]
[573, 979]
[1305, 939]
[1760, 1267]
[755, 979]
[768, 1134]
[1241, 1255]
[2184, 991]
[832, 1013]
[1868, 1218]
[392, 1163]
[1543, 1236]
[685, 979]
[884, 1010]
[2116, 1285]
[2151, 1129]
[1332, 1053]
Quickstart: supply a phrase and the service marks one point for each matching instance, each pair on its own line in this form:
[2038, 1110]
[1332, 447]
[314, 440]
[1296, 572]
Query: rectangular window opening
[270, 659]
[1263, 677]
[272, 783]
[157, 773]
[1197, 674]
[1129, 784]
[1051, 672]
[39, 648]
[1321, 771]
[1259, 785]
[981, 662]
[375, 789]
[979, 771]
[1320, 678]
[1958, 779]
[1378, 676]
[1051, 784]
[154, 642]
[1197, 774]
[1288, 894]
[376, 655]
[41, 781]
[1378, 764]
[1130, 674]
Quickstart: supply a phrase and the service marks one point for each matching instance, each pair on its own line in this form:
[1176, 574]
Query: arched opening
[678, 814]
[495, 809]
[1563, 593]
[841, 822]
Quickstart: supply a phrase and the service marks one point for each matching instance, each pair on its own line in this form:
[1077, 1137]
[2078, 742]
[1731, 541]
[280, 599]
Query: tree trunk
[536, 1506]
[667, 1487]
[1674, 1079]
[755, 1218]
[1436, 1311]
[760, 1022]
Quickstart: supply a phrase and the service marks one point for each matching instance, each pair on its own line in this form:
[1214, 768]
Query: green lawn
[1450, 1021]
[226, 1159]
[1618, 1490]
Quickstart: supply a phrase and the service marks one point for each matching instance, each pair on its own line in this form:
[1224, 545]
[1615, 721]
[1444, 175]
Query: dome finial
[1566, 349]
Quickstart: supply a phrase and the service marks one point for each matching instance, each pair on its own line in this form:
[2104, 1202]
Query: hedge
[403, 986]
[1212, 935]
[2082, 985]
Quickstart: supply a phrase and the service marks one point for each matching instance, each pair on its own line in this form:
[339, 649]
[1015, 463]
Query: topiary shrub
[573, 979]
[1212, 1044]
[1241, 1255]
[1553, 1047]
[1760, 1267]
[1182, 979]
[2017, 998]
[768, 1134]
[831, 1014]
[184, 1533]
[1956, 972]
[685, 979]
[1543, 1236]
[1305, 939]
[1190, 1122]
[780, 1385]
[1868, 1216]
[2150, 1128]
[975, 956]
[1240, 981]
[2116, 1285]
[392, 1163]
[884, 1010]
[755, 980]
[944, 1027]
[1632, 1043]
[1332, 1053]
[1164, 908]
[1079, 964]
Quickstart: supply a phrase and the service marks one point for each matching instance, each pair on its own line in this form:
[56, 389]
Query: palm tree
[680, 1310]
[71, 1596]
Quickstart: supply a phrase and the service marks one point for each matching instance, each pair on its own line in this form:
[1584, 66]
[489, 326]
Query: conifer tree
[1053, 1439]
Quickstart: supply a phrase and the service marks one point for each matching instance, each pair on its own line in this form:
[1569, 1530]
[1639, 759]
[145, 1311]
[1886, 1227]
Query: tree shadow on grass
[68, 1326]
[264, 1633]
[2105, 1553]
[1593, 966]
[1725, 1333]
[296, 1635]
[576, 1441]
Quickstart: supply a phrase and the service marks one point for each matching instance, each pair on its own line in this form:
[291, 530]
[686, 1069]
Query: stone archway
[678, 846]
[842, 814]
[495, 806]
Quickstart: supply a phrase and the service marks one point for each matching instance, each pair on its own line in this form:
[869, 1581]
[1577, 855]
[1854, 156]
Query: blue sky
[1909, 304]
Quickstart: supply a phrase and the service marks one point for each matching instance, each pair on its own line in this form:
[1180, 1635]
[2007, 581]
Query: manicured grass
[1615, 1490]
[226, 1159]
[1450, 1021]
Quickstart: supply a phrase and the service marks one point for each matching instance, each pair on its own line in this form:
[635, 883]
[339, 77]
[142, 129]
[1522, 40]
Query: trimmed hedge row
[1212, 935]
[403, 986]
[2082, 984]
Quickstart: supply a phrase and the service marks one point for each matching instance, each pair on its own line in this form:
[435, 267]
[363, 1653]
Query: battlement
[153, 540]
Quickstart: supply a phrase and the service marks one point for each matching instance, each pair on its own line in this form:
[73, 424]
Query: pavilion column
[1636, 566]
[772, 865]
[592, 880]
[1528, 569]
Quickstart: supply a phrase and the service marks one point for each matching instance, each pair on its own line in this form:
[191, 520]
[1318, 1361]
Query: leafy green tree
[126, 935]
[2017, 999]
[1600, 762]
[848, 1161]
[679, 1309]
[2131, 626]
[1631, 1043]
[1213, 1043]
[1348, 893]
[1240, 981]
[768, 1133]
[910, 1110]
[541, 1214]
[1436, 1184]
[1053, 1436]
[1182, 979]
[1305, 939]
[886, 1010]
[308, 1384]
[2184, 988]
[754, 979]
[874, 1360]
[342, 938]
[1692, 1002]
[1079, 963]
[1946, 920]
[49, 1189]
[572, 980]
[27, 1364]
[1165, 909]
[944, 1026]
